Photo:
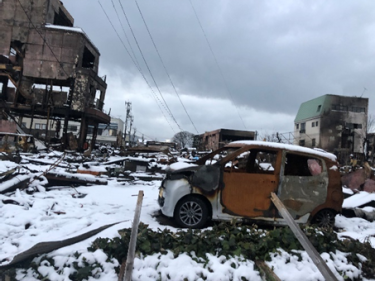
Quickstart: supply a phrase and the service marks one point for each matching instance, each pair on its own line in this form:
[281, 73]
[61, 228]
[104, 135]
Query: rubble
[16, 182]
[64, 178]
[359, 188]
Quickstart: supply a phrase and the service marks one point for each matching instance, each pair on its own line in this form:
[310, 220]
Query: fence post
[133, 239]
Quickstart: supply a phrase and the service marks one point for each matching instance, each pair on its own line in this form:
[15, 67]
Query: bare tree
[274, 137]
[183, 139]
[370, 124]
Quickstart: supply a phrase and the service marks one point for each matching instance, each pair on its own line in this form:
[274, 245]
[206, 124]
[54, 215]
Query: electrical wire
[126, 36]
[216, 61]
[138, 68]
[162, 62]
[149, 70]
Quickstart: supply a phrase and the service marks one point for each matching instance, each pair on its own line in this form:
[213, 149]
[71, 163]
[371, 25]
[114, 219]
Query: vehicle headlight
[161, 191]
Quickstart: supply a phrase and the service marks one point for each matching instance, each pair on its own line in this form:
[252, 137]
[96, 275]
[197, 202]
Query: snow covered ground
[57, 214]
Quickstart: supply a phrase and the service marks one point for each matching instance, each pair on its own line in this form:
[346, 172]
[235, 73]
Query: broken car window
[261, 161]
[297, 165]
[220, 155]
[239, 163]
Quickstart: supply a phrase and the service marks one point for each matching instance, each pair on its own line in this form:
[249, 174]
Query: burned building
[334, 123]
[52, 65]
[218, 138]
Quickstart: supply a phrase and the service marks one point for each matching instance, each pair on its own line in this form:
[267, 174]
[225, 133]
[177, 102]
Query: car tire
[325, 218]
[191, 212]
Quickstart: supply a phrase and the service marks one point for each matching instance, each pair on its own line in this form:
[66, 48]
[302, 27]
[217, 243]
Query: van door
[303, 183]
[247, 187]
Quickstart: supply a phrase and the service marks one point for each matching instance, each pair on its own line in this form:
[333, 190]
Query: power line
[138, 67]
[217, 64]
[149, 70]
[118, 35]
[126, 36]
[162, 62]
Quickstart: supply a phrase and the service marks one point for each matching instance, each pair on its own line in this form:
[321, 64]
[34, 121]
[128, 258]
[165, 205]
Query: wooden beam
[10, 67]
[133, 239]
[46, 247]
[306, 244]
[266, 272]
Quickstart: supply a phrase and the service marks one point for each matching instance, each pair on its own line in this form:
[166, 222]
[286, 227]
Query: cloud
[272, 56]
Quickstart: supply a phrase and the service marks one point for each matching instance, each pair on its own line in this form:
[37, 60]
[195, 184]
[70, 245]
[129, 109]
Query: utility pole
[130, 130]
[128, 107]
[135, 130]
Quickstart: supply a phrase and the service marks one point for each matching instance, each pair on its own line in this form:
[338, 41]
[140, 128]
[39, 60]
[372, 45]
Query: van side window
[303, 166]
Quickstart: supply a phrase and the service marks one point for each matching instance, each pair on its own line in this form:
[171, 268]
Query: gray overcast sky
[273, 56]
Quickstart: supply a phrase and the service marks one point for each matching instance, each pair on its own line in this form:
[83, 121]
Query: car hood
[205, 177]
[179, 167]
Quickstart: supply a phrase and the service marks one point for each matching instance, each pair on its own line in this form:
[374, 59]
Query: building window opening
[39, 126]
[319, 107]
[113, 132]
[62, 19]
[13, 52]
[90, 130]
[339, 107]
[312, 124]
[72, 128]
[98, 102]
[353, 126]
[358, 109]
[303, 128]
[302, 142]
[297, 126]
[88, 59]
[313, 144]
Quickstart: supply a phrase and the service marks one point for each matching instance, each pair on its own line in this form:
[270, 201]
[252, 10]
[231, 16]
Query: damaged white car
[236, 181]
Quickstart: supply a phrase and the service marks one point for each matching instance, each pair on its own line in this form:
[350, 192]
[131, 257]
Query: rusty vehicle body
[13, 142]
[236, 181]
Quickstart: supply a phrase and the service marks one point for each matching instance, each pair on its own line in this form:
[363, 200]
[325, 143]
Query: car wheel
[191, 212]
[325, 218]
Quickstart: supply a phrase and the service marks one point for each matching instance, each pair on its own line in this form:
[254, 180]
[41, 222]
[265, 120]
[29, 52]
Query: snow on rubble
[41, 213]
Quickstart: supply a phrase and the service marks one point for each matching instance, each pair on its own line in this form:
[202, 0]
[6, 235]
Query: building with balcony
[52, 66]
[108, 134]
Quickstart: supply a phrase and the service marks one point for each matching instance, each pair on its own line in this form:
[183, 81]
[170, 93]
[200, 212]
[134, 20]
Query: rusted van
[236, 181]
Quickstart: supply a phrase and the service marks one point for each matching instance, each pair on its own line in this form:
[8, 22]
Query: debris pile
[359, 189]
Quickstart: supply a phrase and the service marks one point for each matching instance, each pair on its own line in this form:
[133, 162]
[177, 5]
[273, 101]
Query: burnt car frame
[236, 181]
[13, 142]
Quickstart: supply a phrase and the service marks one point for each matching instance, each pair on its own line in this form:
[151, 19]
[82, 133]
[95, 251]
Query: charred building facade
[52, 65]
[334, 123]
[216, 139]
